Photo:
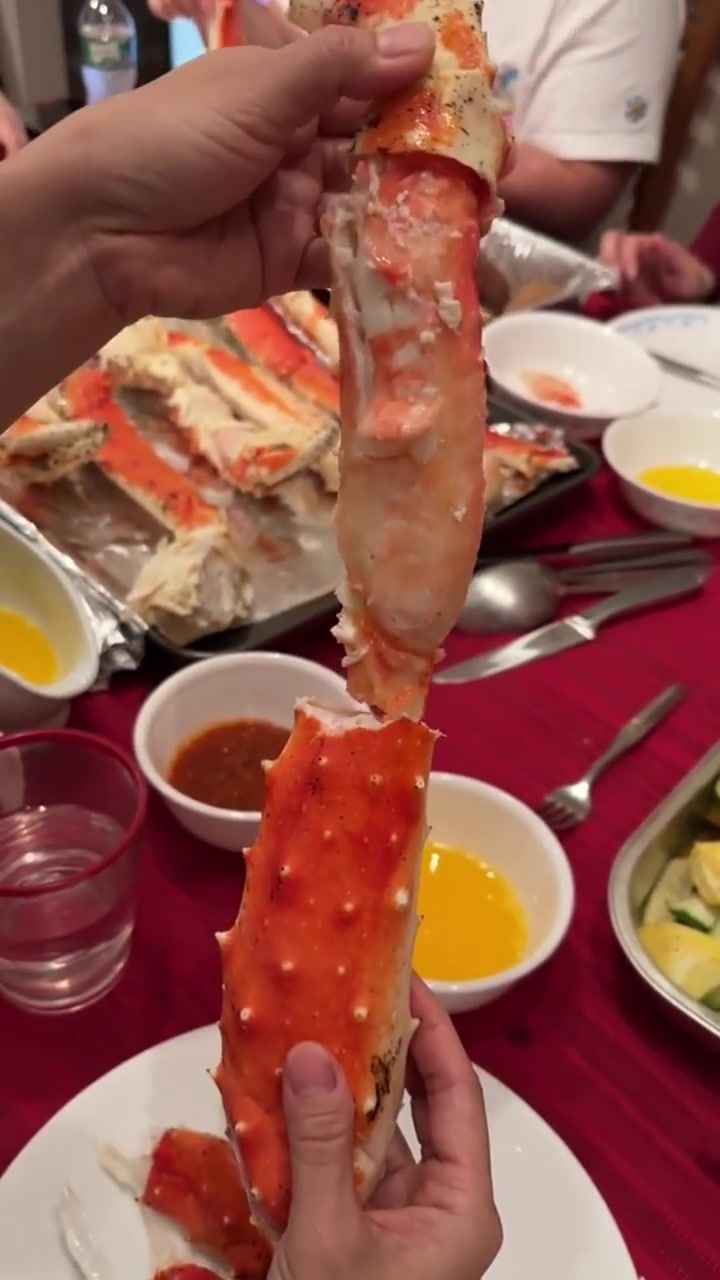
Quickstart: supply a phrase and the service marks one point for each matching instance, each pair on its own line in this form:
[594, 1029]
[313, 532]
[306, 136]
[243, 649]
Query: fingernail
[398, 42]
[309, 1069]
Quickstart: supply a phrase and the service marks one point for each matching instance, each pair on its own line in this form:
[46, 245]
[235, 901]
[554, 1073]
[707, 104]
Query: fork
[568, 806]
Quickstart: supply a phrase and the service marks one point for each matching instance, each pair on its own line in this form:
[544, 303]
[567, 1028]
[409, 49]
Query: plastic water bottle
[108, 41]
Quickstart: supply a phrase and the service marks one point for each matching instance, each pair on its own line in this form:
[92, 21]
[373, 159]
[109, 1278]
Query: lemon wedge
[685, 956]
[705, 870]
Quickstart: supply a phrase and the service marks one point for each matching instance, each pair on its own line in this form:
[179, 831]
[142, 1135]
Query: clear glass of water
[72, 807]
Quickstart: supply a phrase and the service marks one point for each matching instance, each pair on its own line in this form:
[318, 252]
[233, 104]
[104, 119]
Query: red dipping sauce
[222, 766]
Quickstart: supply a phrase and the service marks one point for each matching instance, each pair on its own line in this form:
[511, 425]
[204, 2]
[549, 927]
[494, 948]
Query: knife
[602, 549]
[688, 371]
[577, 628]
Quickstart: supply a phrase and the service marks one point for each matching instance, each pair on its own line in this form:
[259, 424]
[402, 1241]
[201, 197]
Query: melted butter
[473, 924]
[693, 484]
[25, 651]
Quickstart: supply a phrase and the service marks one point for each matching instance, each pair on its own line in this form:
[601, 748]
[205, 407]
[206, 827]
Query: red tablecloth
[583, 1041]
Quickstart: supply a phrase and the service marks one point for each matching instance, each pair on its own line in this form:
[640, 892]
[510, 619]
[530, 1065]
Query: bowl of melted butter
[668, 466]
[48, 653]
[496, 893]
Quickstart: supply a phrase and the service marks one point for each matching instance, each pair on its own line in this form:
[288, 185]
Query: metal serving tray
[269, 630]
[668, 832]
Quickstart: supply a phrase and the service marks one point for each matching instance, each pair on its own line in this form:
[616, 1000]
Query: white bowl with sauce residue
[569, 371]
[665, 462]
[39, 610]
[495, 829]
[217, 692]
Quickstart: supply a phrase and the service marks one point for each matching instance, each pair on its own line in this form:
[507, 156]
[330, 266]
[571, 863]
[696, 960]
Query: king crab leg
[335, 866]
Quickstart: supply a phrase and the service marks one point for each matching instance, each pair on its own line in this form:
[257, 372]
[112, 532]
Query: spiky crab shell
[322, 947]
[194, 1181]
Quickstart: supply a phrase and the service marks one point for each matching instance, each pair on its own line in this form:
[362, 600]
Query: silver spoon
[523, 594]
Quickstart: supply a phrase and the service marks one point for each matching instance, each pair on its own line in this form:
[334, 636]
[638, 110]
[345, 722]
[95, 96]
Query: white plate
[557, 1226]
[689, 334]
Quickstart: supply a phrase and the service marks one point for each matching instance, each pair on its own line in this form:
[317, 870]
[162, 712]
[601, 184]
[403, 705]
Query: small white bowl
[236, 686]
[613, 376]
[495, 827]
[31, 586]
[633, 445]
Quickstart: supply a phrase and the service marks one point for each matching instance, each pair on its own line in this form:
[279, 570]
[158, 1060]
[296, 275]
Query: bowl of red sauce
[201, 738]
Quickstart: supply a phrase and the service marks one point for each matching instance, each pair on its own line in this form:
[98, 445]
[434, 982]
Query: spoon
[523, 594]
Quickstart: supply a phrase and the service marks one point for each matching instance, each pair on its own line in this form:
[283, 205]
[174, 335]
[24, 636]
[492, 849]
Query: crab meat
[335, 869]
[311, 321]
[39, 450]
[404, 243]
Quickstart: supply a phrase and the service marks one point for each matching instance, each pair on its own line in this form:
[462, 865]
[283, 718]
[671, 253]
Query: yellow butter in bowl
[25, 650]
[472, 922]
[687, 483]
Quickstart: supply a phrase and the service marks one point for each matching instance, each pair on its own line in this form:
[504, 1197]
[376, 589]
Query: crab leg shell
[312, 323]
[194, 1181]
[335, 867]
[132, 464]
[250, 457]
[223, 28]
[452, 111]
[264, 337]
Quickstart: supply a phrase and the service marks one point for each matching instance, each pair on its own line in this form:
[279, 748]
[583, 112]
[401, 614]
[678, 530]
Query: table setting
[577, 763]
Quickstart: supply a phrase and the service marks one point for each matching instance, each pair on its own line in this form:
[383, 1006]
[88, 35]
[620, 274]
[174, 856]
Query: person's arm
[13, 134]
[591, 110]
[190, 197]
[706, 247]
[52, 313]
[564, 198]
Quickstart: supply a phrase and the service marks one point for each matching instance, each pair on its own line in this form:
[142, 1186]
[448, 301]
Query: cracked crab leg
[196, 583]
[252, 457]
[312, 323]
[194, 1181]
[263, 336]
[335, 867]
[132, 464]
[404, 244]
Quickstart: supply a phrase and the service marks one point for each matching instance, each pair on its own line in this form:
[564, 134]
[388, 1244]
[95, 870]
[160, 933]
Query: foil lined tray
[99, 540]
[119, 633]
[541, 272]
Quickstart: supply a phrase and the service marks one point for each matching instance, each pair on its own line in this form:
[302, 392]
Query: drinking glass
[72, 807]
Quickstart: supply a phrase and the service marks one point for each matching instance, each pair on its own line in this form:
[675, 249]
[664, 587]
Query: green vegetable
[673, 885]
[711, 999]
[695, 913]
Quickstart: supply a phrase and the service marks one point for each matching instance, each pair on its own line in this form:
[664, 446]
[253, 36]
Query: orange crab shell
[194, 1181]
[322, 946]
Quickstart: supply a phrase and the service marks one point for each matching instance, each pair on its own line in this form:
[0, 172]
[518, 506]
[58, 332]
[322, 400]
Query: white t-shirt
[587, 79]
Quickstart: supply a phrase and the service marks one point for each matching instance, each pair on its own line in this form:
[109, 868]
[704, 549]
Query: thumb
[309, 77]
[319, 1117]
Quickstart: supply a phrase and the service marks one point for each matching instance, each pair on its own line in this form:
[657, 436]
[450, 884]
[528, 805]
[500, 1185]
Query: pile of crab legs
[336, 863]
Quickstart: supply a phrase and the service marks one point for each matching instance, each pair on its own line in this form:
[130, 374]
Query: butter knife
[577, 628]
[688, 371]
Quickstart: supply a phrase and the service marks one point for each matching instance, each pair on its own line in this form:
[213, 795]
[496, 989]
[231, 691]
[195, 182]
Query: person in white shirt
[587, 84]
